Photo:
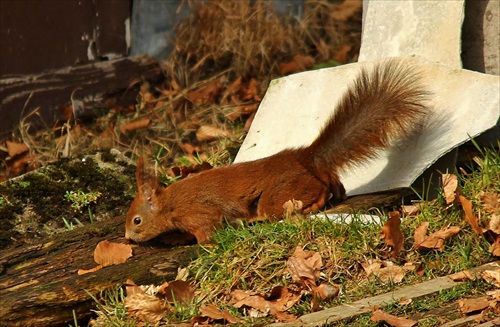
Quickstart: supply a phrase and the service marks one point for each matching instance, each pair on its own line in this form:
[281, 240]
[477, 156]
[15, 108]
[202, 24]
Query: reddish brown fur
[384, 104]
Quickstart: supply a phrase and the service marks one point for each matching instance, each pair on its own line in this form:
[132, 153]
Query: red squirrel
[385, 103]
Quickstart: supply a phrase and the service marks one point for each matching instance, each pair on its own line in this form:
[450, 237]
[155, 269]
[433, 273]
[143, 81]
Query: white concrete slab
[430, 29]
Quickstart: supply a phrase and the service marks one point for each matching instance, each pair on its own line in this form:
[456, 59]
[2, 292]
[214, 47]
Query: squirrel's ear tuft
[149, 195]
[145, 175]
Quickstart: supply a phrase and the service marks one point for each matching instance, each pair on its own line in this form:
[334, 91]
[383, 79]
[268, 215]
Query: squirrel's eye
[137, 220]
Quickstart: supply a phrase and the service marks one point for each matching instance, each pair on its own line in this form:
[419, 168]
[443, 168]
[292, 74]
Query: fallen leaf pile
[305, 267]
[244, 96]
[490, 203]
[394, 238]
[484, 307]
[150, 303]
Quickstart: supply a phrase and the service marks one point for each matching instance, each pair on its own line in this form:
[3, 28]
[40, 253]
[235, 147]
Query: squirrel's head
[144, 220]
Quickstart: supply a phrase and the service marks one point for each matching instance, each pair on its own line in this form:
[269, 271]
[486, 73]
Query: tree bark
[39, 284]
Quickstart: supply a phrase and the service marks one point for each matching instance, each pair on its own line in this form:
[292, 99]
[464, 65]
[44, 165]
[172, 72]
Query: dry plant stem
[227, 39]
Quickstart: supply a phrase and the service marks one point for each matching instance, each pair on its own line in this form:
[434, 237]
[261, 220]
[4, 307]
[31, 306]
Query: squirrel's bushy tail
[388, 102]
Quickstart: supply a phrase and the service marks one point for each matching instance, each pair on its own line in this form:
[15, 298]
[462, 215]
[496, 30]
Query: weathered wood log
[366, 202]
[39, 284]
[364, 306]
[87, 85]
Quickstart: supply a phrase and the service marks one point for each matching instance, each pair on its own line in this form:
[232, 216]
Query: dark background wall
[38, 35]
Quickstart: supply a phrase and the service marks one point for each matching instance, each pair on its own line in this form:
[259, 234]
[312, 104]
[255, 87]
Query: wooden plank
[363, 306]
[461, 321]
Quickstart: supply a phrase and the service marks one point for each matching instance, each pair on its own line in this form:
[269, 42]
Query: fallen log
[39, 284]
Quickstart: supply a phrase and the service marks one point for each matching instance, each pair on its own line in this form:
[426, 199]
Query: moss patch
[34, 204]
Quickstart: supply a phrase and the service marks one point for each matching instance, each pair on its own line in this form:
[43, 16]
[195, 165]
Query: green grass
[254, 256]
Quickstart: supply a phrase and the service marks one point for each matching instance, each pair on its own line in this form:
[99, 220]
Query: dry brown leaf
[214, 313]
[472, 305]
[434, 241]
[207, 94]
[494, 224]
[86, 271]
[299, 63]
[392, 235]
[292, 206]
[283, 298]
[371, 267]
[380, 315]
[67, 112]
[461, 276]
[243, 109]
[15, 149]
[248, 109]
[342, 53]
[191, 149]
[280, 299]
[145, 307]
[494, 248]
[249, 122]
[420, 234]
[108, 253]
[344, 11]
[135, 125]
[21, 164]
[250, 92]
[420, 270]
[210, 133]
[305, 265]
[410, 210]
[411, 266]
[495, 294]
[233, 89]
[183, 171]
[450, 184]
[491, 276]
[326, 292]
[470, 217]
[491, 202]
[394, 274]
[239, 295]
[131, 287]
[177, 291]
